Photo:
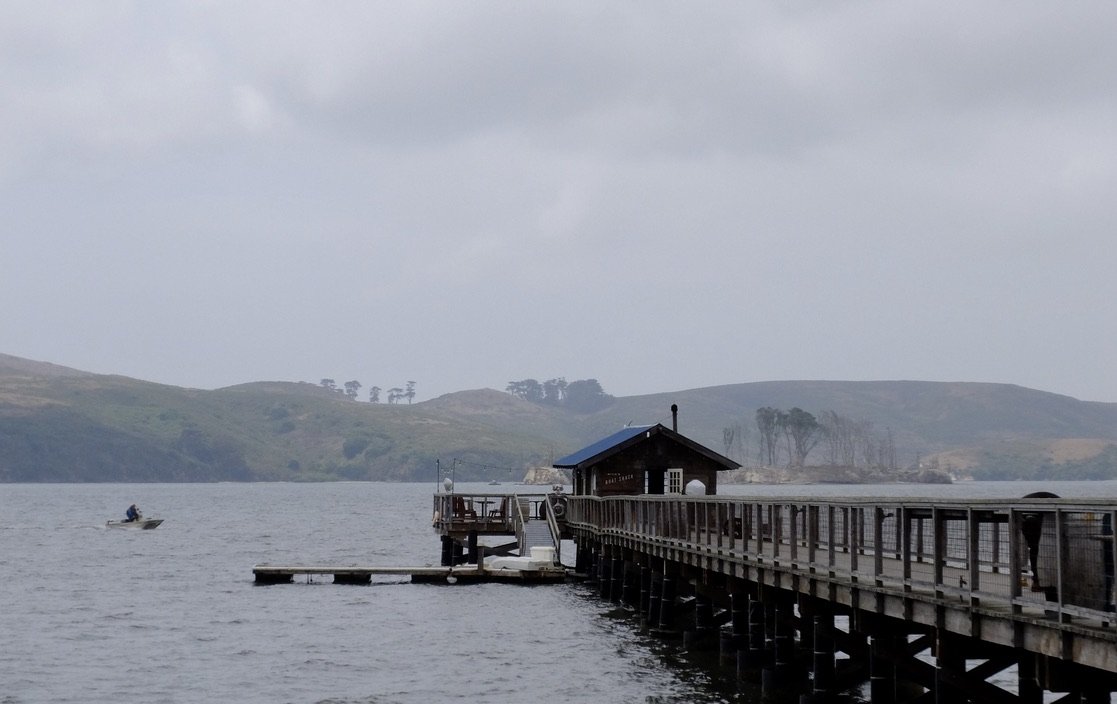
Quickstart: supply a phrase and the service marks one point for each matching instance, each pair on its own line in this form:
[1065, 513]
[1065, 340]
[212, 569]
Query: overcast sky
[661, 196]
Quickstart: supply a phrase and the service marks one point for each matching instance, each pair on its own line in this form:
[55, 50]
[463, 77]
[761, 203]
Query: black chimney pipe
[674, 417]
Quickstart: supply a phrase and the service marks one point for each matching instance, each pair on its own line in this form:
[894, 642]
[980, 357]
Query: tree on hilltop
[583, 395]
[767, 422]
[803, 431]
[554, 391]
[586, 395]
[527, 389]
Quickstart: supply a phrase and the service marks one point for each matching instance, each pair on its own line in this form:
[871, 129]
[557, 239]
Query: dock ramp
[538, 530]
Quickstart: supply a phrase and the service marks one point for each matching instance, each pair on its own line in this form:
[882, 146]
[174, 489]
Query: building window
[675, 480]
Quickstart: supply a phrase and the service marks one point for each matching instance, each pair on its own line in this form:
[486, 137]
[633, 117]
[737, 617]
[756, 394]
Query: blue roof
[626, 438]
[603, 445]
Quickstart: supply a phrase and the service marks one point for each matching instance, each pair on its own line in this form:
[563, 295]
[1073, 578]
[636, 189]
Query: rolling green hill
[59, 424]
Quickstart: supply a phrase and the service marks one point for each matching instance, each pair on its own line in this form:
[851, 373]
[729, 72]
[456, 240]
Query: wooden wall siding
[623, 474]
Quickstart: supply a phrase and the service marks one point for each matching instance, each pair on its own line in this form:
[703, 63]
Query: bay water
[93, 614]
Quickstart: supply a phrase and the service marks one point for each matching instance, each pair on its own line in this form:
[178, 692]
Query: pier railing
[1056, 556]
[482, 511]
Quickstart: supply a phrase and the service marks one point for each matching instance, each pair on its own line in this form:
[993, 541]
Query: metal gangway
[537, 529]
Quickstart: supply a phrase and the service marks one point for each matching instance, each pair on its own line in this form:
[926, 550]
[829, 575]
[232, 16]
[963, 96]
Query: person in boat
[132, 514]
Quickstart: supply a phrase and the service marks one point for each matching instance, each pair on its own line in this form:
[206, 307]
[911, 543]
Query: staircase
[532, 532]
[535, 533]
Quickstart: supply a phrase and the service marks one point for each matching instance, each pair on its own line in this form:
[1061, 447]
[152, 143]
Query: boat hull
[142, 524]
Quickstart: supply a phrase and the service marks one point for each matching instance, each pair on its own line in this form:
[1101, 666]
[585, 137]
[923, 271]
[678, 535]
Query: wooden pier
[939, 596]
[923, 600]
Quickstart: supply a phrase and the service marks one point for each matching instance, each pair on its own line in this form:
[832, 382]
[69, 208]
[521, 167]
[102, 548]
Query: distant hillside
[925, 418]
[15, 367]
[59, 424]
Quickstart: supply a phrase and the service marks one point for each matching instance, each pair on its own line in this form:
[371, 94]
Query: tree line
[350, 390]
[579, 395]
[789, 437]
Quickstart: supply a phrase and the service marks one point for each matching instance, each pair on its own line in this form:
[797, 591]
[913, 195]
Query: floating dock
[357, 574]
[531, 558]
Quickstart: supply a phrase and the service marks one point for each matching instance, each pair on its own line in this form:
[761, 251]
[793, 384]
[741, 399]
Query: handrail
[1055, 554]
[556, 534]
[445, 515]
[518, 524]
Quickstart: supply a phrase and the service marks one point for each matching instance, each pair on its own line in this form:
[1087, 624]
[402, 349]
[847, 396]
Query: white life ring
[558, 506]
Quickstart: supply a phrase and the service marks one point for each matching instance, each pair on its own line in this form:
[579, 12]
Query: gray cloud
[653, 195]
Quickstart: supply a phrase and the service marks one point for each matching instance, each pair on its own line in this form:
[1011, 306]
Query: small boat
[139, 523]
[494, 483]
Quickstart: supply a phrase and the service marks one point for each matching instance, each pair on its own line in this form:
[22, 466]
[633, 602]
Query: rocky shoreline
[545, 476]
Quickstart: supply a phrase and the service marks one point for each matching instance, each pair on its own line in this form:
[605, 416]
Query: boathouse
[645, 459]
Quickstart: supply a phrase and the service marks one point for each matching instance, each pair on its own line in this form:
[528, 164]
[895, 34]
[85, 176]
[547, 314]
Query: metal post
[878, 544]
[831, 537]
[582, 560]
[1060, 586]
[1015, 568]
[644, 574]
[701, 636]
[822, 661]
[655, 598]
[616, 579]
[856, 524]
[948, 662]
[755, 653]
[938, 557]
[738, 626]
[785, 637]
[447, 551]
[793, 514]
[919, 540]
[605, 568]
[973, 550]
[667, 605]
[1027, 685]
[782, 632]
[882, 673]
[472, 538]
[812, 535]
